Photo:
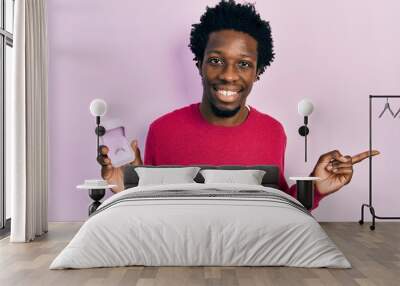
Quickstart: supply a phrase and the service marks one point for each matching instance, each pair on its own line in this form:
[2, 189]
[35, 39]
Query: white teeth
[227, 92]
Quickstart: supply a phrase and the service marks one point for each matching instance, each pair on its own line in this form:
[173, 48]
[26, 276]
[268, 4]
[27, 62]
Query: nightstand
[305, 190]
[96, 193]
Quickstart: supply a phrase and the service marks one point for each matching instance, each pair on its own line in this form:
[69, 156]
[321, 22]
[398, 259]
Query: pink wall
[134, 55]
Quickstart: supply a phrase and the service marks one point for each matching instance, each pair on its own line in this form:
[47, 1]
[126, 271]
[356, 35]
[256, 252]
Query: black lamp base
[305, 193]
[100, 131]
[304, 131]
[96, 195]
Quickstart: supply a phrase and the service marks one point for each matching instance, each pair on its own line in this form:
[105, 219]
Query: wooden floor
[375, 256]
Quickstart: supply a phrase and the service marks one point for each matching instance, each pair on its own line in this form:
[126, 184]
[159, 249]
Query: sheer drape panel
[30, 198]
[15, 126]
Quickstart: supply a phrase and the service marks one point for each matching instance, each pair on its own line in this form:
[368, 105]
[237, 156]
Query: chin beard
[224, 113]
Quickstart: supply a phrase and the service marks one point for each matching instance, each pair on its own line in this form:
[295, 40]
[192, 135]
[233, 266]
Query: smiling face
[228, 70]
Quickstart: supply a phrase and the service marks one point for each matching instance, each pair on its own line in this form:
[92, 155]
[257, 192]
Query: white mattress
[190, 230]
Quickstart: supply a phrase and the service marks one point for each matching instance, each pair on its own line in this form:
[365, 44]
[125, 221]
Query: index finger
[364, 155]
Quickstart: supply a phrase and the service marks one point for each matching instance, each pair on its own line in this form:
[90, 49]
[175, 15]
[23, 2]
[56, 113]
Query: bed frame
[270, 179]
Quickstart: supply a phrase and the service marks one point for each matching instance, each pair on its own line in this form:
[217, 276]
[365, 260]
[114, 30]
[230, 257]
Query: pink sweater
[184, 137]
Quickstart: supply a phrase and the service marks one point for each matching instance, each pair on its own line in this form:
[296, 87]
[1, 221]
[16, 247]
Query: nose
[229, 73]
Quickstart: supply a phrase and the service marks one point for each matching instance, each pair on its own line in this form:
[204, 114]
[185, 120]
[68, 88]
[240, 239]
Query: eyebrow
[242, 55]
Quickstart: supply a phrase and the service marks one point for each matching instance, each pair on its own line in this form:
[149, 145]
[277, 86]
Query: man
[232, 47]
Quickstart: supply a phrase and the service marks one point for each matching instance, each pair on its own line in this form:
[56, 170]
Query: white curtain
[27, 123]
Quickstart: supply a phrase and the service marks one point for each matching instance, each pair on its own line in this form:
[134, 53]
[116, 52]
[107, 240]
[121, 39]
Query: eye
[216, 61]
[244, 64]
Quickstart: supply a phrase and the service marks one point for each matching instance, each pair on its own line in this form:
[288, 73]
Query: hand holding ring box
[120, 151]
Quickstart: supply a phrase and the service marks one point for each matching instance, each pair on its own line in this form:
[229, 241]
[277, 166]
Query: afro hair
[228, 15]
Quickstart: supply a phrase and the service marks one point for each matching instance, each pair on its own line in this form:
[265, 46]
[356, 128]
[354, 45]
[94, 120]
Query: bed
[201, 224]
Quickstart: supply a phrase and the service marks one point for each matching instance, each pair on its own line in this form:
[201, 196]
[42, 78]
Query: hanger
[387, 107]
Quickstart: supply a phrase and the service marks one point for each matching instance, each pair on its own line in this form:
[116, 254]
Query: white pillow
[163, 176]
[248, 177]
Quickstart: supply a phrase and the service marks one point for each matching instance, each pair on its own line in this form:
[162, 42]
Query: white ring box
[120, 150]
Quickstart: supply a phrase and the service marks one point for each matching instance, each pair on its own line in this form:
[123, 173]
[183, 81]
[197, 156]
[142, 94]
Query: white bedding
[190, 230]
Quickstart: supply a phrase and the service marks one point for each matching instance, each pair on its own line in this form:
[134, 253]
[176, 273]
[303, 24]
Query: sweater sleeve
[293, 189]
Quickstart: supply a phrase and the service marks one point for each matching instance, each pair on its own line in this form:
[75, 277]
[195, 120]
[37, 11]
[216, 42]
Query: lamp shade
[98, 107]
[305, 107]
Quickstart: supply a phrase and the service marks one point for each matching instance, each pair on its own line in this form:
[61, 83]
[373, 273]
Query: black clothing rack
[371, 208]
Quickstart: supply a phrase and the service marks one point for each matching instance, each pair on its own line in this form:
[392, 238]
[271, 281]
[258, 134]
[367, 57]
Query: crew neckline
[196, 109]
